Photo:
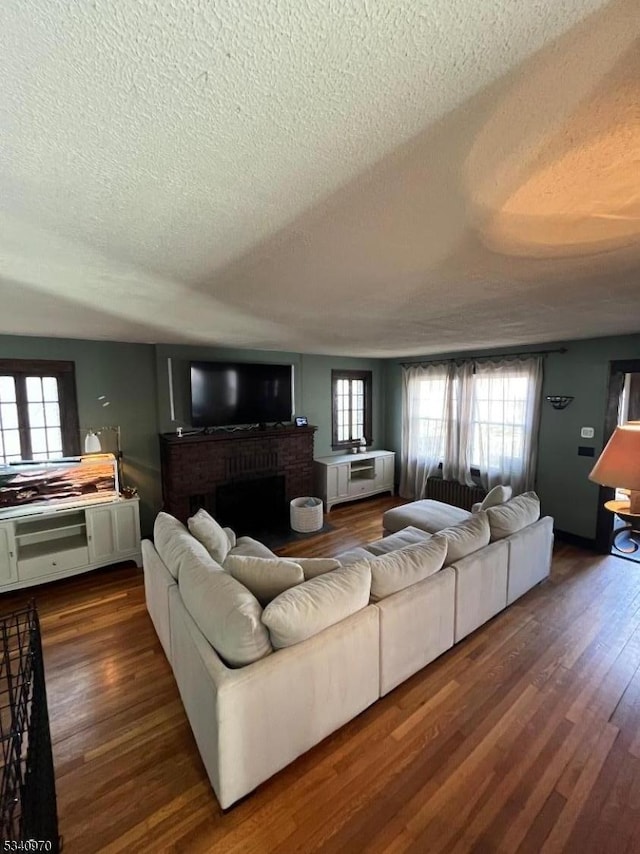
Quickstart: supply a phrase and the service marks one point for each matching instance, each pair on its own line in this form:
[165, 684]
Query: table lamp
[619, 463]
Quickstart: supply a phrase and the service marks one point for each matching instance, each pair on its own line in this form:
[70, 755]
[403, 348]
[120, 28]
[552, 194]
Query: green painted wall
[312, 385]
[125, 374]
[562, 476]
[134, 378]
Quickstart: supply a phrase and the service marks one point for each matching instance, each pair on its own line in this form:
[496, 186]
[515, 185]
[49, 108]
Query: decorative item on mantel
[559, 401]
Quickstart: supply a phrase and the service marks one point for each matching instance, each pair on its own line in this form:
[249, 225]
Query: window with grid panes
[38, 410]
[351, 422]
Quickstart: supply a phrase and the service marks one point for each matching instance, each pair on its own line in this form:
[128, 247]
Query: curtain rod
[437, 359]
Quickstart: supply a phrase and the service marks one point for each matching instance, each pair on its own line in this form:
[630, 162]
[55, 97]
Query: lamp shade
[619, 463]
[92, 443]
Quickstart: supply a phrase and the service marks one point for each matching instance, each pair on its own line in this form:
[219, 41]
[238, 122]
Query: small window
[38, 410]
[351, 421]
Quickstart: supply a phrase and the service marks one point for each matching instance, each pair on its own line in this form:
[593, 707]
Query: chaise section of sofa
[252, 721]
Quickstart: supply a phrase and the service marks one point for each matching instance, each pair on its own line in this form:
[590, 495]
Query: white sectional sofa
[264, 681]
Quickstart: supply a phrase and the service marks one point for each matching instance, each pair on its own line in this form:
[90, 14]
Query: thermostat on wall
[587, 432]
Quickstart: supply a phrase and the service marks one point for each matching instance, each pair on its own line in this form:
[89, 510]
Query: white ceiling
[374, 177]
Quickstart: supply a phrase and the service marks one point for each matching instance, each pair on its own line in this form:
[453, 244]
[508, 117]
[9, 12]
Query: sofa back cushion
[307, 609]
[265, 577]
[511, 517]
[465, 538]
[250, 547]
[396, 570]
[496, 496]
[212, 535]
[175, 545]
[314, 566]
[227, 614]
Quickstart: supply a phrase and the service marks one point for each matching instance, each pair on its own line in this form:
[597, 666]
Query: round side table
[630, 533]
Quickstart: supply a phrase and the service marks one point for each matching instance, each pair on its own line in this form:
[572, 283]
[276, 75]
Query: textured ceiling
[366, 178]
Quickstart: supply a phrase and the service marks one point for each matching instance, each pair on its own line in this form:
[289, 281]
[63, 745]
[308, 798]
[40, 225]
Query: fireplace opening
[253, 507]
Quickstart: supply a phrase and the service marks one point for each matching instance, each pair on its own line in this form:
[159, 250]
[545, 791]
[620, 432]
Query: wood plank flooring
[524, 737]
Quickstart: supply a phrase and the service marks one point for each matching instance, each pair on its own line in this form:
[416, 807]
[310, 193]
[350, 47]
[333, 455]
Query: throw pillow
[498, 495]
[314, 566]
[212, 535]
[231, 534]
[227, 614]
[516, 514]
[265, 577]
[175, 545]
[394, 571]
[309, 608]
[465, 538]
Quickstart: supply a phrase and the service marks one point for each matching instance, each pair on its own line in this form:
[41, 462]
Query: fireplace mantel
[195, 465]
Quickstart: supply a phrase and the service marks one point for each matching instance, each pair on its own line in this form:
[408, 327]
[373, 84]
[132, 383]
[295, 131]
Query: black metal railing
[27, 784]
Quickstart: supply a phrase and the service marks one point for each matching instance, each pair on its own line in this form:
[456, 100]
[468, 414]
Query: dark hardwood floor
[524, 737]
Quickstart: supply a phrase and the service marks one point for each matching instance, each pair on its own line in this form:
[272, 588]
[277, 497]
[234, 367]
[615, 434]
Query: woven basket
[305, 519]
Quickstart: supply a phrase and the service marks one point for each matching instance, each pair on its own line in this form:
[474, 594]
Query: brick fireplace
[216, 471]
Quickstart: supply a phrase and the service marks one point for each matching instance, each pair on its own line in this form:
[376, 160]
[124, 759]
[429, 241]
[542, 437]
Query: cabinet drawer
[55, 562]
[360, 487]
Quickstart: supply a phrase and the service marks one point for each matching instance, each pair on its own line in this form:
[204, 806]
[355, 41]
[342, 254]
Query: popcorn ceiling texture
[375, 178]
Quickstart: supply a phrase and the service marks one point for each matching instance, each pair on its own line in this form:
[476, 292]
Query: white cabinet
[43, 544]
[337, 485]
[113, 532]
[349, 476]
[8, 571]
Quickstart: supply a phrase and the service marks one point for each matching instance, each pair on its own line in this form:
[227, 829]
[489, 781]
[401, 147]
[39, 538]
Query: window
[499, 420]
[471, 420]
[38, 410]
[351, 422]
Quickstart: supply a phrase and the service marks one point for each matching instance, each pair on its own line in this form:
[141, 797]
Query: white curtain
[471, 416]
[505, 422]
[427, 403]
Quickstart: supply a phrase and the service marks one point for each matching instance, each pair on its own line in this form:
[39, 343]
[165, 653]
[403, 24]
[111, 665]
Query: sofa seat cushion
[252, 548]
[428, 515]
[309, 608]
[227, 614]
[406, 566]
[352, 556]
[514, 515]
[265, 577]
[405, 537]
[212, 535]
[465, 538]
[175, 545]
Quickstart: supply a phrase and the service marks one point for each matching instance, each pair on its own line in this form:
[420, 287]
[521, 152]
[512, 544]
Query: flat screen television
[230, 393]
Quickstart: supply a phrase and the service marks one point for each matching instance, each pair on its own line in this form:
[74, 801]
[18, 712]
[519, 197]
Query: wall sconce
[559, 401]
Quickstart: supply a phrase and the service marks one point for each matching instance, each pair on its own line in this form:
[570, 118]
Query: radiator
[452, 492]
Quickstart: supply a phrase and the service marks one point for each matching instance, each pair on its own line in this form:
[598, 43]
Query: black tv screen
[227, 393]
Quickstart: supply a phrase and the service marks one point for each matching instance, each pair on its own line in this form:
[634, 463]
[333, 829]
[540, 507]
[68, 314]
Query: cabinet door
[8, 566]
[385, 472]
[337, 481]
[114, 531]
[389, 471]
[101, 533]
[127, 527]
